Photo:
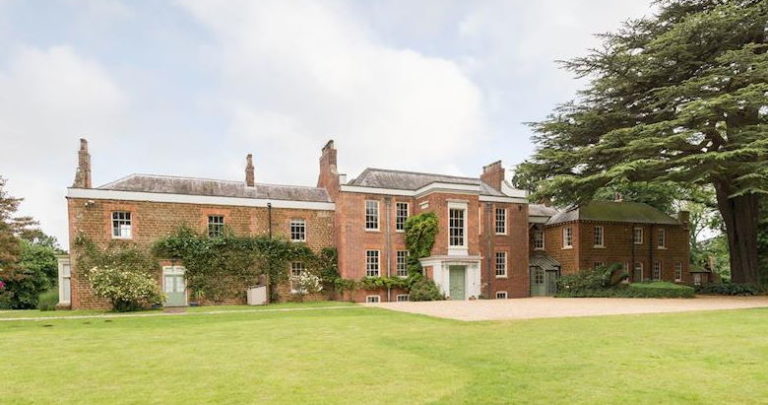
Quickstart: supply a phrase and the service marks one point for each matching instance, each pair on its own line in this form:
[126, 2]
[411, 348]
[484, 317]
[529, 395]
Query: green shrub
[424, 289]
[127, 289]
[727, 289]
[590, 281]
[48, 300]
[659, 289]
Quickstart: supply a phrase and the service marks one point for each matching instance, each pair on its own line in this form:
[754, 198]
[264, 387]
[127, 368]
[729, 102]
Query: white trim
[507, 189]
[535, 219]
[97, 194]
[378, 216]
[496, 221]
[602, 236]
[376, 301]
[494, 198]
[431, 188]
[506, 296]
[399, 296]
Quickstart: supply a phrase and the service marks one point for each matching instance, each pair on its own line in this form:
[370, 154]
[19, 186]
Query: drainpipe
[269, 218]
[490, 255]
[650, 252]
[388, 242]
[632, 245]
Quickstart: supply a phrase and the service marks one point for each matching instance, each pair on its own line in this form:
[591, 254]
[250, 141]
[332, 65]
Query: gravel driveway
[548, 307]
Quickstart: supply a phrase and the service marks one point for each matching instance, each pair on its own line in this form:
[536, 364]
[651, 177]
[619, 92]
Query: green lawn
[371, 356]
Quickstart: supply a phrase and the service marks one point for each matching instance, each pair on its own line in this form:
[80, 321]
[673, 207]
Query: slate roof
[540, 210]
[543, 260]
[152, 183]
[614, 211]
[404, 180]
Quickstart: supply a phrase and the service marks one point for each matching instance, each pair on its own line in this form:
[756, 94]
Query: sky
[189, 88]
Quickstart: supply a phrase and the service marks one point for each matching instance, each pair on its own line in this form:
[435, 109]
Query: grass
[373, 356]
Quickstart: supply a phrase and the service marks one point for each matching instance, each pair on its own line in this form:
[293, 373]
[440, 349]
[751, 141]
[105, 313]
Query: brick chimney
[684, 217]
[493, 175]
[249, 176]
[329, 175]
[83, 173]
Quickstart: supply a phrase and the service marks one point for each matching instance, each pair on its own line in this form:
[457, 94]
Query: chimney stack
[329, 175]
[684, 217]
[83, 173]
[493, 175]
[249, 176]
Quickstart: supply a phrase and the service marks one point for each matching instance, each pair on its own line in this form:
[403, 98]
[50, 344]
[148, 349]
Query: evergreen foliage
[677, 98]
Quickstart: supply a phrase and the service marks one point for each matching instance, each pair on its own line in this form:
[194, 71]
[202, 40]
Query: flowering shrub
[127, 289]
[2, 285]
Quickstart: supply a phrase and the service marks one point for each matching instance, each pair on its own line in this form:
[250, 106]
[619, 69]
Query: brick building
[491, 243]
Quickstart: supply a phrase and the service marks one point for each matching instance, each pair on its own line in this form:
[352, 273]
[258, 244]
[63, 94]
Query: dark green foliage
[762, 242]
[423, 289]
[420, 231]
[591, 279]
[47, 301]
[656, 289]
[374, 283]
[676, 98]
[225, 266]
[34, 273]
[727, 289]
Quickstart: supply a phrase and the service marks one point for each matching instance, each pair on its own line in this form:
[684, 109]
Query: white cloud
[298, 73]
[49, 97]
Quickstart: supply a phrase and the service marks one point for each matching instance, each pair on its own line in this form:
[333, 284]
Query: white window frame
[369, 264]
[656, 271]
[298, 227]
[374, 205]
[402, 298]
[678, 272]
[568, 237]
[500, 265]
[597, 264]
[538, 232]
[401, 263]
[661, 238]
[463, 228]
[123, 224]
[637, 235]
[501, 295]
[601, 242]
[298, 269]
[400, 219]
[372, 299]
[500, 224]
[217, 226]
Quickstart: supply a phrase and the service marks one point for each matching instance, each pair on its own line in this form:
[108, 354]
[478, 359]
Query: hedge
[656, 289]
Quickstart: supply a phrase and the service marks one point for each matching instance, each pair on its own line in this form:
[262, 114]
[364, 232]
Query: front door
[174, 286]
[538, 281]
[456, 282]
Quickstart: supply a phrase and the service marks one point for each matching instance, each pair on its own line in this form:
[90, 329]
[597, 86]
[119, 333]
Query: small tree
[127, 289]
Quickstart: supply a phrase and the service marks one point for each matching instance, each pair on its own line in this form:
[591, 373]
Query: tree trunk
[740, 215]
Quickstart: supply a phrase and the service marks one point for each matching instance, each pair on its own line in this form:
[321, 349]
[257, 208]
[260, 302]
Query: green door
[175, 288]
[538, 281]
[456, 282]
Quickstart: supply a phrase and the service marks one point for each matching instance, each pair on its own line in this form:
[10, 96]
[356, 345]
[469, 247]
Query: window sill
[502, 277]
[541, 248]
[567, 247]
[122, 237]
[298, 241]
[661, 247]
[501, 234]
[599, 246]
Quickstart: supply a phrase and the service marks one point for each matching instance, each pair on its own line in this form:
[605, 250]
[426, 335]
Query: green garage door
[456, 281]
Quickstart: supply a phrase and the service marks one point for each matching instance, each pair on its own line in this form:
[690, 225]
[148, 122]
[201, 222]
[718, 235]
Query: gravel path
[548, 307]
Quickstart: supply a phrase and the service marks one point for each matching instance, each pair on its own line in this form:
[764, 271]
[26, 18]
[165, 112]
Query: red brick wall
[620, 248]
[515, 243]
[151, 221]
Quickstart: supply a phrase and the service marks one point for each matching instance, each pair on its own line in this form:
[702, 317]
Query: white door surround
[441, 274]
